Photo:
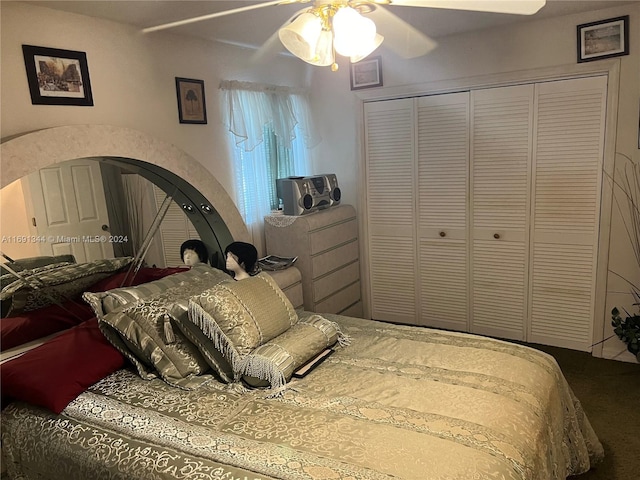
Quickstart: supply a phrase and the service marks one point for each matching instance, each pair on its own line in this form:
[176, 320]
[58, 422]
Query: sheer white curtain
[271, 133]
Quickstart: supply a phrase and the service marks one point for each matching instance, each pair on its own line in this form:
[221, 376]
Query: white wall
[14, 223]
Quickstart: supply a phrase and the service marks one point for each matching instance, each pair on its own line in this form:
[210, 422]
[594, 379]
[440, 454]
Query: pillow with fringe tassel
[239, 316]
[273, 363]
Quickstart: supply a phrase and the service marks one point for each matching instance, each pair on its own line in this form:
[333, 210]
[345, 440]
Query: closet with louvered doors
[390, 174]
[417, 154]
[442, 185]
[565, 218]
[500, 178]
[483, 209]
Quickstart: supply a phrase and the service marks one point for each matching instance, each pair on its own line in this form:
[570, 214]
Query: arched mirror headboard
[209, 207]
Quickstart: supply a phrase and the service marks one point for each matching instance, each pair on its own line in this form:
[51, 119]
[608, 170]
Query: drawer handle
[496, 236]
[442, 234]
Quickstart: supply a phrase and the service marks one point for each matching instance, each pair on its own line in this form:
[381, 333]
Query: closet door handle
[496, 236]
[442, 234]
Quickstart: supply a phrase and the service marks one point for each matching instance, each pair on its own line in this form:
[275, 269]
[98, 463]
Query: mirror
[104, 207]
[211, 211]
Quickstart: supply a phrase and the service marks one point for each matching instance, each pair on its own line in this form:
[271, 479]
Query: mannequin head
[193, 252]
[242, 259]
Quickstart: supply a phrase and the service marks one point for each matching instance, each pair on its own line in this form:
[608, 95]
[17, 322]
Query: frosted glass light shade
[301, 36]
[377, 41]
[323, 55]
[353, 33]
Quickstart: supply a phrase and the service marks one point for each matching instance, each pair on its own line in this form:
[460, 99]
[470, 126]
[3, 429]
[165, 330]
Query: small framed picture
[57, 77]
[366, 73]
[603, 39]
[191, 103]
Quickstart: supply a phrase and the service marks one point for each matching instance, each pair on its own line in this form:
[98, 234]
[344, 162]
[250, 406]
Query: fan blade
[272, 46]
[187, 21]
[399, 36]
[518, 7]
[267, 50]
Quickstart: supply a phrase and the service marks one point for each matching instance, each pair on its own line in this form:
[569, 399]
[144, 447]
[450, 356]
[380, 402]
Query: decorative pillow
[240, 316]
[41, 287]
[179, 312]
[56, 372]
[139, 332]
[113, 299]
[273, 363]
[35, 262]
[143, 331]
[29, 326]
[8, 279]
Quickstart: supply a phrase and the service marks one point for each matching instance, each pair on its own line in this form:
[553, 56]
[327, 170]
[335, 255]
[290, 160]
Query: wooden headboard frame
[24, 154]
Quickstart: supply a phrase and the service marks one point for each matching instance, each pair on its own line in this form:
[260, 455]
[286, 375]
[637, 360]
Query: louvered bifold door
[443, 169]
[568, 164]
[175, 229]
[501, 150]
[389, 162]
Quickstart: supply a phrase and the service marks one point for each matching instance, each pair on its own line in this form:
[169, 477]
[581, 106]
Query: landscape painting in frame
[603, 39]
[57, 77]
[366, 73]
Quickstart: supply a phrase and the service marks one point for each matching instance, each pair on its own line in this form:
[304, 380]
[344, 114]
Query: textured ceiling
[255, 27]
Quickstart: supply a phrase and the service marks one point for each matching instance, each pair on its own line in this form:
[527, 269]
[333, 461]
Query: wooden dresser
[290, 282]
[326, 244]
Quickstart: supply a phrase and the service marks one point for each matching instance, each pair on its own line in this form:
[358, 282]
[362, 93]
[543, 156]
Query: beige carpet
[609, 391]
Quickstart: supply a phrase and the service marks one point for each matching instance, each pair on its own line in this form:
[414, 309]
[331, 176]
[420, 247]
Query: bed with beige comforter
[399, 402]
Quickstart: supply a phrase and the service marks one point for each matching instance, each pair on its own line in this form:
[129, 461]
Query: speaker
[331, 184]
[303, 195]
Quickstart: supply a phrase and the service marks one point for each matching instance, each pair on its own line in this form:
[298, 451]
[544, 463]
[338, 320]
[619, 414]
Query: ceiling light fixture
[338, 26]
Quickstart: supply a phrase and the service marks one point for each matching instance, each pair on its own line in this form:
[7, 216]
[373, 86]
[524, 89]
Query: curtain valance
[249, 107]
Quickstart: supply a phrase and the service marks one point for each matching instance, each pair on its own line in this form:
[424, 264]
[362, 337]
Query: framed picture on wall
[191, 103]
[603, 39]
[366, 73]
[57, 77]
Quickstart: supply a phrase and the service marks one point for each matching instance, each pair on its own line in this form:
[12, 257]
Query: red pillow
[39, 323]
[56, 372]
[144, 275]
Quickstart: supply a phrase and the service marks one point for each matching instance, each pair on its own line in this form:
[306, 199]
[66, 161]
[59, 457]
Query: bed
[389, 402]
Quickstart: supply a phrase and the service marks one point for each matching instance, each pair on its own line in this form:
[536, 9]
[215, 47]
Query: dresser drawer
[290, 282]
[340, 300]
[295, 295]
[337, 234]
[337, 280]
[333, 259]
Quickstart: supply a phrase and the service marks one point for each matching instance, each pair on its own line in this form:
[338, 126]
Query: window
[255, 173]
[269, 133]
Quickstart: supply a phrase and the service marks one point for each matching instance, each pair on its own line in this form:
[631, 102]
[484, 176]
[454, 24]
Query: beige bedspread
[399, 402]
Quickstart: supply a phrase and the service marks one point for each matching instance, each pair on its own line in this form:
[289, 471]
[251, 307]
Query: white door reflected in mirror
[67, 202]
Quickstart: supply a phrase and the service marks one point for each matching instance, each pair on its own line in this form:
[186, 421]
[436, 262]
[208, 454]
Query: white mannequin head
[194, 252]
[241, 258]
[233, 266]
[190, 257]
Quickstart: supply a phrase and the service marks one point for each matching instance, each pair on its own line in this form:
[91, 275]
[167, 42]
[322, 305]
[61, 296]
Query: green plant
[628, 330]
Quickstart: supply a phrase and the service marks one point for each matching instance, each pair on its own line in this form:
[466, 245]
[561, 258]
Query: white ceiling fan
[355, 28]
